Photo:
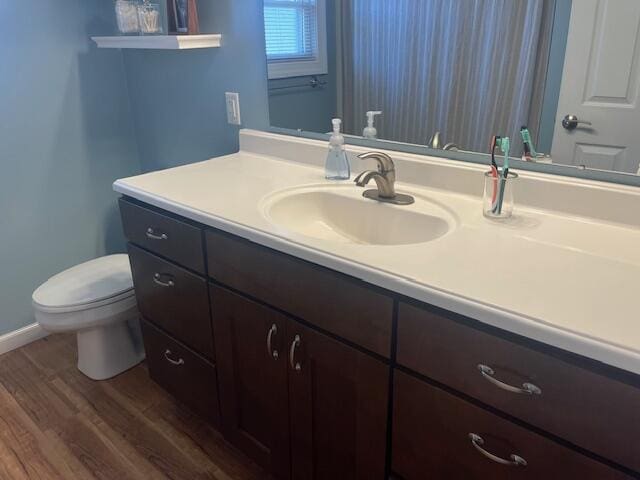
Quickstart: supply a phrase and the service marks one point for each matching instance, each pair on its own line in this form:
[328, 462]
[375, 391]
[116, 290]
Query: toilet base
[106, 351]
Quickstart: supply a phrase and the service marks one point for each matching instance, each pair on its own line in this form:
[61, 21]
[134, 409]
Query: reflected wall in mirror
[449, 74]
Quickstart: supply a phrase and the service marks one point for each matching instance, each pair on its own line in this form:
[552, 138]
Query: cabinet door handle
[488, 373]
[157, 278]
[156, 236]
[292, 354]
[167, 354]
[272, 331]
[514, 460]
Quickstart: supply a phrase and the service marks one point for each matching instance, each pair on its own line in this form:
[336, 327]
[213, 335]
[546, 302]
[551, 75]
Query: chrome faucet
[385, 178]
[436, 143]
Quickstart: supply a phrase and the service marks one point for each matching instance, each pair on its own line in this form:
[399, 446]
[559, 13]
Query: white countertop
[565, 280]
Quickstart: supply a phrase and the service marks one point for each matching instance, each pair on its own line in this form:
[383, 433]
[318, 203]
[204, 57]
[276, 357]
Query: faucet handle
[385, 162]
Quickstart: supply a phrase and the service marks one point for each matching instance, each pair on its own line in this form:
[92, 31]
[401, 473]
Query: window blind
[291, 30]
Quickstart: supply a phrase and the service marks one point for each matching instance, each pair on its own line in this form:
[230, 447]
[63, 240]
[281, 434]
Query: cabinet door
[338, 399]
[252, 379]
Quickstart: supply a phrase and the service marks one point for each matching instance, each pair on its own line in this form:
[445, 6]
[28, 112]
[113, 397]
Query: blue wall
[178, 96]
[65, 135]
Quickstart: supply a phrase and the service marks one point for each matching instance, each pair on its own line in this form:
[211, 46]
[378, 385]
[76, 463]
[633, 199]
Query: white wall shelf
[159, 42]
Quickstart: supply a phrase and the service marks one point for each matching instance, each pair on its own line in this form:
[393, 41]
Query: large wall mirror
[446, 75]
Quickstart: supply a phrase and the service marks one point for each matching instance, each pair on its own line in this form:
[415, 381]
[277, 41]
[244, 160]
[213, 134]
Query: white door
[600, 84]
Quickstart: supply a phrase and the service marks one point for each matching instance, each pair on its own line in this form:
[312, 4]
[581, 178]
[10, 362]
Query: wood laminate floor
[55, 423]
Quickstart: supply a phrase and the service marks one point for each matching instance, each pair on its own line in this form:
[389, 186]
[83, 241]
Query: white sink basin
[341, 214]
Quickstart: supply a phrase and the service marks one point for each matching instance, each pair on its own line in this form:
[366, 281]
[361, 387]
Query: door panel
[253, 382]
[338, 408]
[600, 84]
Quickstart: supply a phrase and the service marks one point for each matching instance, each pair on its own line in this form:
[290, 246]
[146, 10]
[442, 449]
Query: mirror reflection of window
[300, 37]
[295, 37]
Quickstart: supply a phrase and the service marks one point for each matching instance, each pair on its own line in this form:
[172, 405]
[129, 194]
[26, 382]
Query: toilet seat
[92, 284]
[88, 295]
[84, 306]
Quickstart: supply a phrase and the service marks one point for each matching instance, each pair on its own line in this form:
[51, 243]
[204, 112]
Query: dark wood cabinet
[434, 434]
[253, 379]
[338, 398]
[302, 392]
[294, 362]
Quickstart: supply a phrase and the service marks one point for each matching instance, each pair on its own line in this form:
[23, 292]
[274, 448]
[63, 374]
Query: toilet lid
[91, 282]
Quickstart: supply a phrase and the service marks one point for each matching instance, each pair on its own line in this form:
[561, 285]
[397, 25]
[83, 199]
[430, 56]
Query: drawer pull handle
[157, 278]
[167, 354]
[154, 236]
[272, 331]
[292, 354]
[528, 388]
[514, 460]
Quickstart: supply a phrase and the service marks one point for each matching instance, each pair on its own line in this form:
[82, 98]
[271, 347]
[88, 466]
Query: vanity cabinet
[318, 375]
[302, 404]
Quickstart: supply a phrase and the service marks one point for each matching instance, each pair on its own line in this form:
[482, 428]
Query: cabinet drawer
[329, 300]
[593, 411]
[173, 298]
[432, 439]
[164, 235]
[184, 374]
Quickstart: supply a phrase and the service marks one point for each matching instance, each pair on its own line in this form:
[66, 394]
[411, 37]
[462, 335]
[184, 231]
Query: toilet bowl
[97, 301]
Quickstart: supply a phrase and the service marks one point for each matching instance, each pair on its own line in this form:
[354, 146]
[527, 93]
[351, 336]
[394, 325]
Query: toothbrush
[529, 151]
[505, 147]
[494, 170]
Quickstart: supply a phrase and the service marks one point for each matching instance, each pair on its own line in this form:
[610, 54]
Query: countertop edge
[512, 322]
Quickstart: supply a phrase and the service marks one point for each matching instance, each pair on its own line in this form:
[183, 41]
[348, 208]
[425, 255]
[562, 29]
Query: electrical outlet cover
[233, 108]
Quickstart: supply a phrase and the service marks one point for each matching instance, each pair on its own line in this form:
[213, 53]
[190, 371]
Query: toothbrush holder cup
[497, 202]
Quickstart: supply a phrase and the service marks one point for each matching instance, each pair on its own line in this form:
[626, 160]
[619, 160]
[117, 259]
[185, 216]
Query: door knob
[571, 122]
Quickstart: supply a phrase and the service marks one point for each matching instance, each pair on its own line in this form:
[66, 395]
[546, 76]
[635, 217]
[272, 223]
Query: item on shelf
[127, 16]
[149, 18]
[183, 17]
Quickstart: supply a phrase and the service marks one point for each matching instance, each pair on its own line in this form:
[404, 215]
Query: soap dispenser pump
[337, 166]
[370, 130]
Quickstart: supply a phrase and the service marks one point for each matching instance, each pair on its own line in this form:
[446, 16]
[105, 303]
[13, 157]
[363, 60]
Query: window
[296, 37]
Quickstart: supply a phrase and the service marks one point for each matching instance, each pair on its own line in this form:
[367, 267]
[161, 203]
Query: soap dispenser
[370, 131]
[337, 166]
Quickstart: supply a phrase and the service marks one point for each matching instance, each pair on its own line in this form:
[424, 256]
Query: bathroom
[328, 239]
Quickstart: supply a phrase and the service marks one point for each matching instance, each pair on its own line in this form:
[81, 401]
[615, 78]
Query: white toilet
[96, 300]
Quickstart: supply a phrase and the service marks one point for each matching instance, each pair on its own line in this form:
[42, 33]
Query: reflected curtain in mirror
[466, 68]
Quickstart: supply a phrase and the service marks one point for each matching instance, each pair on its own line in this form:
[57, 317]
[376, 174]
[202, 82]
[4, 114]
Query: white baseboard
[22, 336]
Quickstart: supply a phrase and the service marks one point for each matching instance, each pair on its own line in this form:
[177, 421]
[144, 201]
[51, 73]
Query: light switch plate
[233, 108]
